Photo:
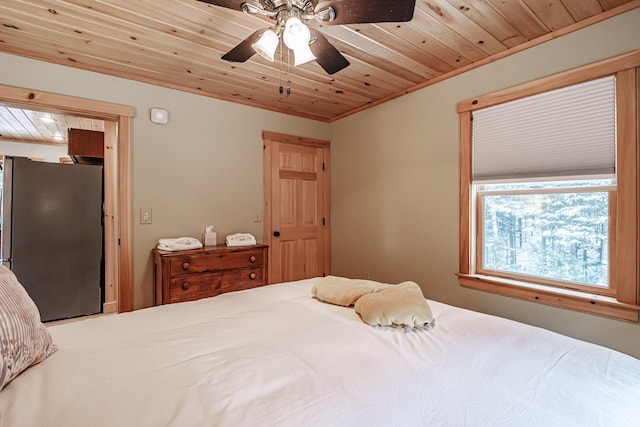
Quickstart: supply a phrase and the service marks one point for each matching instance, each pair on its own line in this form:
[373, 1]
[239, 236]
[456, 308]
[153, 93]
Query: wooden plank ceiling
[37, 127]
[178, 44]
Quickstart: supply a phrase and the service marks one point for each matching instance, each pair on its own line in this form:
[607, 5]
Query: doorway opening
[117, 180]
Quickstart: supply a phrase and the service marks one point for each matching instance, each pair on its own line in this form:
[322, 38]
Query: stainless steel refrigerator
[52, 234]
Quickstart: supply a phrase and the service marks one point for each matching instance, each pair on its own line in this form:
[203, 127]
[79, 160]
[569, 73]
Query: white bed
[275, 356]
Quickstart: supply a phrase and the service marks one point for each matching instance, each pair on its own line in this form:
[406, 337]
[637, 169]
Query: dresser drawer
[197, 286]
[235, 280]
[212, 262]
[194, 287]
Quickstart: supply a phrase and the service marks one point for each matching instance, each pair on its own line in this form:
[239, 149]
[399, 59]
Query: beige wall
[203, 168]
[395, 184]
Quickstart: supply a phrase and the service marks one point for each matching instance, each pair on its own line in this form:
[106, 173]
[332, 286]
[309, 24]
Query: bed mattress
[275, 356]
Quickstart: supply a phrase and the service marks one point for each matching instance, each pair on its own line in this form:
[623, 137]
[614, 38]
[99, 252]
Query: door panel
[296, 209]
[288, 265]
[309, 204]
[287, 202]
[311, 257]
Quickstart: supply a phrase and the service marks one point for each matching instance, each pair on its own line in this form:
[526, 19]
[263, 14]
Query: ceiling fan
[307, 43]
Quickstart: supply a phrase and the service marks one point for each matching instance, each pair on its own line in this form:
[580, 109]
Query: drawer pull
[252, 276]
[186, 286]
[252, 258]
[185, 265]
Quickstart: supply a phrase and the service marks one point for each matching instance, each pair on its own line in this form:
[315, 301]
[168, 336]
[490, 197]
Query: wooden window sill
[566, 298]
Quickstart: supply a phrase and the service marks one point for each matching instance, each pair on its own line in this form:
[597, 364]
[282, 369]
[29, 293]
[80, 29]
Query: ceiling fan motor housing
[277, 9]
[332, 12]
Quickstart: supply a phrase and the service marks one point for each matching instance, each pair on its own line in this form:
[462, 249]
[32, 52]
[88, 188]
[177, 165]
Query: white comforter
[275, 356]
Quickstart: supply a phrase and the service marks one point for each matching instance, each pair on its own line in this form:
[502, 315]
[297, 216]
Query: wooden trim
[624, 201]
[556, 81]
[125, 240]
[267, 202]
[275, 250]
[110, 304]
[581, 301]
[110, 307]
[465, 192]
[292, 139]
[488, 60]
[326, 177]
[627, 200]
[51, 102]
[548, 190]
[525, 280]
[613, 226]
[122, 114]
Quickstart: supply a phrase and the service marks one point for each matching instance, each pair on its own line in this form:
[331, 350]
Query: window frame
[623, 302]
[559, 283]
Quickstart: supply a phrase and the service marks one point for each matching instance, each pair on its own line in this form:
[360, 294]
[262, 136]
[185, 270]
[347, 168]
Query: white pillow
[24, 340]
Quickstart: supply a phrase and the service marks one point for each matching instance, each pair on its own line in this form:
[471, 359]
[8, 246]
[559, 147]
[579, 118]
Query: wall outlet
[145, 215]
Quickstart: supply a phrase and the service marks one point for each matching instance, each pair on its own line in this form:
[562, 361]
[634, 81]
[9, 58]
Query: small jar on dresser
[207, 272]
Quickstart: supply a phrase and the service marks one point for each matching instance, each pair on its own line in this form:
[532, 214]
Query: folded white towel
[179, 244]
[240, 239]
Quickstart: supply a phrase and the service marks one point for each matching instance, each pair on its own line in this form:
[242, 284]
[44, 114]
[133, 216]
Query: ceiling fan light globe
[267, 44]
[302, 54]
[295, 33]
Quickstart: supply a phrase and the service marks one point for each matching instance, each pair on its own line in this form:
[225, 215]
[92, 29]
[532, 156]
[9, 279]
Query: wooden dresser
[209, 271]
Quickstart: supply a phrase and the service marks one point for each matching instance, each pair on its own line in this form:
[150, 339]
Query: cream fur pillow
[343, 291]
[24, 340]
[396, 305]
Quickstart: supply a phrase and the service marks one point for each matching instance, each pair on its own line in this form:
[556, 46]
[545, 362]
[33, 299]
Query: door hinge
[322, 165]
[324, 222]
[118, 242]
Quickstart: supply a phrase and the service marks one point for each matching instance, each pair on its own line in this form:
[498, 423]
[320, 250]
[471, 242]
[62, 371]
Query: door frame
[117, 177]
[267, 232]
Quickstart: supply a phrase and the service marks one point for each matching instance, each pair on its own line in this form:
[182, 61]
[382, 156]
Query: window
[548, 211]
[555, 232]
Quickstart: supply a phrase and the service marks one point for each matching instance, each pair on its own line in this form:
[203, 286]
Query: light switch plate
[145, 215]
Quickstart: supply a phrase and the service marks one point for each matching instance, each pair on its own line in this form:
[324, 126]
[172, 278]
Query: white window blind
[560, 133]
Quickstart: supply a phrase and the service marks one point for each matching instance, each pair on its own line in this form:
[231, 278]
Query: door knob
[276, 233]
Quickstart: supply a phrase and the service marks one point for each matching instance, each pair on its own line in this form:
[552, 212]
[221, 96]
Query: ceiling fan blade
[231, 4]
[244, 50]
[370, 11]
[327, 56]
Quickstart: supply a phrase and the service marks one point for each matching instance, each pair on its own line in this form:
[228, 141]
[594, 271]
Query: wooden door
[296, 219]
